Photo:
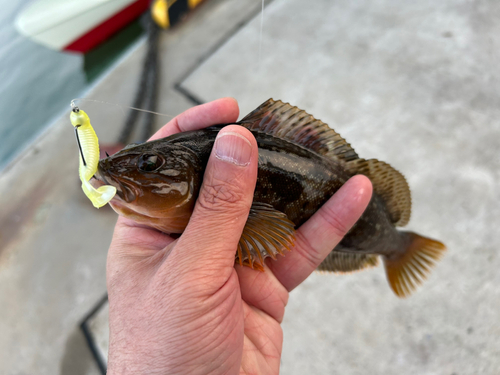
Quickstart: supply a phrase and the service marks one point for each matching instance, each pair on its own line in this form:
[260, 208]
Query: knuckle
[334, 223]
[308, 251]
[218, 195]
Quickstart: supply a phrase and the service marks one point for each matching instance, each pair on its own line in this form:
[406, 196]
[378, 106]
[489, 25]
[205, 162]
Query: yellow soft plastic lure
[89, 158]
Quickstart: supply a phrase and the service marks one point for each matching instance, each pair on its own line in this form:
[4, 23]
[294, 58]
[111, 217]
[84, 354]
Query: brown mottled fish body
[302, 163]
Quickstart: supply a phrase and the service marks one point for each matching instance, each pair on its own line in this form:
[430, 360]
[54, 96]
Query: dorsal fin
[389, 184]
[293, 124]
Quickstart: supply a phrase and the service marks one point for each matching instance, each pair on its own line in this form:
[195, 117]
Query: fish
[302, 162]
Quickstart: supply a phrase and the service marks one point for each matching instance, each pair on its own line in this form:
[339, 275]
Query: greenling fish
[302, 163]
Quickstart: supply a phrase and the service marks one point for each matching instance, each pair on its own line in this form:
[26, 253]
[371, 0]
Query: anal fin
[341, 262]
[267, 233]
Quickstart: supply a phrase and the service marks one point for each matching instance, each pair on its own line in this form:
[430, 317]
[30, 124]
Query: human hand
[181, 306]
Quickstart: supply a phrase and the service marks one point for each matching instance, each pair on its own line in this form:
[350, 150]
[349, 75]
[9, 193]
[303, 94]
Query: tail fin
[407, 271]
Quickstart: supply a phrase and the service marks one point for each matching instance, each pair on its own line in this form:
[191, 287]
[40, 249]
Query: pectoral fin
[267, 232]
[347, 262]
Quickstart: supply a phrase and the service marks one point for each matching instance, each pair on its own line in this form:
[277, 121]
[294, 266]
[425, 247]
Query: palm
[262, 343]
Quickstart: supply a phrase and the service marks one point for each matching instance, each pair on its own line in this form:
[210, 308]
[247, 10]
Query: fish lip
[98, 180]
[126, 191]
[123, 191]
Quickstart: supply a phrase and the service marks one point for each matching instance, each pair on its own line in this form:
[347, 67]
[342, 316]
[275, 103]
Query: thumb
[211, 237]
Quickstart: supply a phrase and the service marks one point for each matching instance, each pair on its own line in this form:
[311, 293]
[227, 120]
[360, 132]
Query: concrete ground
[415, 84]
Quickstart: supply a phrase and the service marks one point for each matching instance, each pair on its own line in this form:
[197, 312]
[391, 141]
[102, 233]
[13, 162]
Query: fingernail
[234, 148]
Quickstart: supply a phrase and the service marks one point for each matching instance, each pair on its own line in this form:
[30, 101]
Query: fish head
[155, 181]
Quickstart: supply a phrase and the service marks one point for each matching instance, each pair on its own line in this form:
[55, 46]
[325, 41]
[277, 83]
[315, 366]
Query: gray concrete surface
[415, 84]
[412, 83]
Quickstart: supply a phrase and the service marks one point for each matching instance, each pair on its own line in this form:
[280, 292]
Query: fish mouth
[125, 190]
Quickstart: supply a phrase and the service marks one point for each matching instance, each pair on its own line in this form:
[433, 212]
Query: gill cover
[89, 158]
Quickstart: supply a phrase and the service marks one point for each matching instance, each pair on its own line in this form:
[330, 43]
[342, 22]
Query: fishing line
[122, 107]
[146, 92]
[76, 110]
[261, 27]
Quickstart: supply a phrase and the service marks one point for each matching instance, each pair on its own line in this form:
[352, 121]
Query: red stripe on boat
[103, 31]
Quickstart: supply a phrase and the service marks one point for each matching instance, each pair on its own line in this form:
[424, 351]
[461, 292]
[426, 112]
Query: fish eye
[149, 162]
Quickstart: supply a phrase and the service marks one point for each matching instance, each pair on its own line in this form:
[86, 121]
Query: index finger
[220, 111]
